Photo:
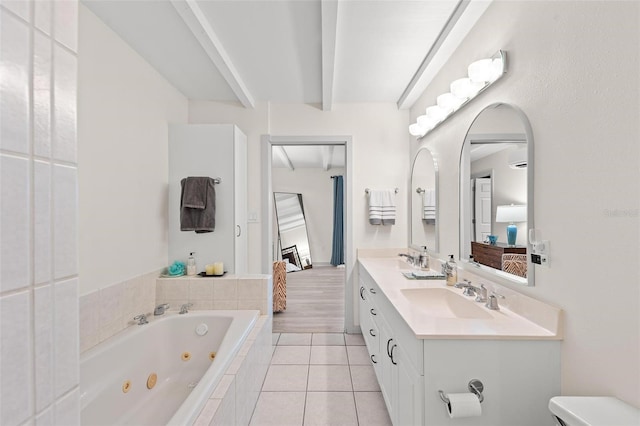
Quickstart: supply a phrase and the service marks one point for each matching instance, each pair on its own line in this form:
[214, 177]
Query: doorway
[320, 297]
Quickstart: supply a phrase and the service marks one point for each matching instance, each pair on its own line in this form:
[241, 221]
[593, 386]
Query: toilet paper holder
[475, 386]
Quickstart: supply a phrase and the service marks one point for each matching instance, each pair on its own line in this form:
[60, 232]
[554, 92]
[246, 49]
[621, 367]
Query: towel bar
[217, 180]
[367, 190]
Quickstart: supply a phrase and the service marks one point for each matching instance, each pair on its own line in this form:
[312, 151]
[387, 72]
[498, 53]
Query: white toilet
[593, 411]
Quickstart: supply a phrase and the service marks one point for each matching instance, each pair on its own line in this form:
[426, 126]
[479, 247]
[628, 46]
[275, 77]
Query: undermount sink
[443, 303]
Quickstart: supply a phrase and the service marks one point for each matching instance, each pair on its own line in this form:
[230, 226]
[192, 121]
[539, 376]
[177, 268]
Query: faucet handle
[495, 293]
[492, 301]
[184, 309]
[142, 319]
[481, 294]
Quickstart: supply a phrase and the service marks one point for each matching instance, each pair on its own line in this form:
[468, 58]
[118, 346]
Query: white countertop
[542, 321]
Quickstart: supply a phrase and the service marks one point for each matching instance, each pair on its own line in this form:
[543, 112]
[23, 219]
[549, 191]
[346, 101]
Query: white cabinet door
[240, 201]
[410, 388]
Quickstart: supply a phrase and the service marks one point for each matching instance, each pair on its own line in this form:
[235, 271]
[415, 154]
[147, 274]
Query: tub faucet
[160, 309]
[142, 319]
[184, 309]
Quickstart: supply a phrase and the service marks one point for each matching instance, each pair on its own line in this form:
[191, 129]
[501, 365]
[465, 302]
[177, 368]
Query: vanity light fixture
[481, 74]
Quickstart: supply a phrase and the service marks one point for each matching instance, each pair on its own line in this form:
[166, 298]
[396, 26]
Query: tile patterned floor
[320, 379]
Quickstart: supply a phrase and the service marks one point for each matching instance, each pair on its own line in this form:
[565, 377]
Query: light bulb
[416, 130]
[438, 114]
[482, 71]
[426, 122]
[464, 88]
[448, 101]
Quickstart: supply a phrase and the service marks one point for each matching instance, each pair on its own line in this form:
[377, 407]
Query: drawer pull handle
[372, 291]
[373, 312]
[371, 332]
[373, 359]
[361, 293]
[391, 355]
[388, 350]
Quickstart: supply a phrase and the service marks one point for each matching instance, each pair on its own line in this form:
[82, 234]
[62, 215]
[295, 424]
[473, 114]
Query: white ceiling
[303, 51]
[294, 157]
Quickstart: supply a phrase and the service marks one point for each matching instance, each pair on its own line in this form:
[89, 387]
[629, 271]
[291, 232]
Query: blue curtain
[337, 254]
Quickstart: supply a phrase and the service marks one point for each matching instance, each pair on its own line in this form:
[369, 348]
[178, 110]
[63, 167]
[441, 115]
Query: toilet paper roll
[463, 405]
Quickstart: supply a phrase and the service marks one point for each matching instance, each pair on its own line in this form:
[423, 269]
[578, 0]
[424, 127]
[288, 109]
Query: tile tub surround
[235, 397]
[227, 292]
[109, 310]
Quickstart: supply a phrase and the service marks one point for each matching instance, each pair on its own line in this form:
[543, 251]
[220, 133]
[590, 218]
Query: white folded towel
[382, 207]
[429, 204]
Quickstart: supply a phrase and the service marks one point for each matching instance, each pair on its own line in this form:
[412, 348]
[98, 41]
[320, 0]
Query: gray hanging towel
[198, 204]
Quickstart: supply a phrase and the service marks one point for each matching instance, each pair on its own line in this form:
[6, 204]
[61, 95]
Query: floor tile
[296, 339]
[371, 409]
[291, 355]
[354, 339]
[330, 408]
[358, 355]
[327, 339]
[363, 378]
[286, 378]
[274, 338]
[327, 378]
[329, 355]
[279, 409]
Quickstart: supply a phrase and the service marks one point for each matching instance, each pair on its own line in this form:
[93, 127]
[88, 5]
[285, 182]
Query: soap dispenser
[423, 260]
[452, 271]
[191, 265]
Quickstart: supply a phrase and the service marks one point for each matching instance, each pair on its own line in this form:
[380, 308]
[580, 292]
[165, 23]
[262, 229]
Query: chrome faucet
[492, 302]
[410, 259]
[469, 290]
[159, 310]
[184, 309]
[142, 319]
[481, 294]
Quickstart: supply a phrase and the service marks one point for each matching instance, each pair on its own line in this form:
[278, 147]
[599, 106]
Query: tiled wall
[38, 173]
[106, 311]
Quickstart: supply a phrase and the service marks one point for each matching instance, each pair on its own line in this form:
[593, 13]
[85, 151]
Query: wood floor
[315, 302]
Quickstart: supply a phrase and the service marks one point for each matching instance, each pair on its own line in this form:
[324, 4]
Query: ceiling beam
[202, 30]
[408, 96]
[329, 18]
[282, 154]
[327, 155]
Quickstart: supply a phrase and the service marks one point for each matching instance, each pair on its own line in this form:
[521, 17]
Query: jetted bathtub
[162, 372]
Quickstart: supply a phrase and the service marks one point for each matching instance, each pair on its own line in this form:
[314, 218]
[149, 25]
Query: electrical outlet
[540, 259]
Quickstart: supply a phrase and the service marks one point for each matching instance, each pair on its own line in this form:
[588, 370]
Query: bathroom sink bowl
[443, 303]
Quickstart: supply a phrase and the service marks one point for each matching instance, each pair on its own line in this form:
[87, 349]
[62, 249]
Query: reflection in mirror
[496, 193]
[424, 202]
[292, 231]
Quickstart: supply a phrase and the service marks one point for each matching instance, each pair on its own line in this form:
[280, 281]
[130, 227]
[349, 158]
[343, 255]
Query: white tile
[201, 289]
[14, 91]
[43, 15]
[65, 216]
[149, 291]
[330, 408]
[67, 410]
[327, 339]
[223, 386]
[132, 298]
[246, 304]
[371, 409]
[364, 378]
[64, 104]
[279, 409]
[42, 222]
[354, 339]
[201, 305]
[274, 338]
[327, 378]
[19, 7]
[226, 412]
[111, 310]
[43, 319]
[286, 378]
[296, 339]
[45, 418]
[250, 289]
[291, 355]
[15, 359]
[176, 289]
[329, 355]
[225, 289]
[89, 318]
[225, 304]
[14, 223]
[208, 412]
[65, 23]
[42, 66]
[358, 355]
[66, 336]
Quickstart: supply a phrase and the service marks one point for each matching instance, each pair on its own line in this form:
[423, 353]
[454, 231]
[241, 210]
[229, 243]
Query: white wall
[39, 372]
[124, 109]
[316, 187]
[575, 74]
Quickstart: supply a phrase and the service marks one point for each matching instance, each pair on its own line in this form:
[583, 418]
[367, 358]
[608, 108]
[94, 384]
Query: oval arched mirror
[424, 202]
[496, 194]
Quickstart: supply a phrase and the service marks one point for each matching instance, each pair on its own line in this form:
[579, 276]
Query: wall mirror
[292, 230]
[496, 194]
[423, 224]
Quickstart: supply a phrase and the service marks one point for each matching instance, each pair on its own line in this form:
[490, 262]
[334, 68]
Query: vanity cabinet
[519, 374]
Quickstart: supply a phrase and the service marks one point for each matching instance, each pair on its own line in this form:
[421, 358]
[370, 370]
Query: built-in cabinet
[216, 151]
[519, 375]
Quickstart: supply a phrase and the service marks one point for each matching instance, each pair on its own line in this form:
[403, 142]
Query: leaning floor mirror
[496, 194]
[292, 231]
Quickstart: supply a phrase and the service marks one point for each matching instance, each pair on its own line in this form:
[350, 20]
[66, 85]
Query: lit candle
[209, 269]
[218, 268]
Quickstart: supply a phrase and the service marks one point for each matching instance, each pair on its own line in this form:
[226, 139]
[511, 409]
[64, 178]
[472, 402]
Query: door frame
[267, 143]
